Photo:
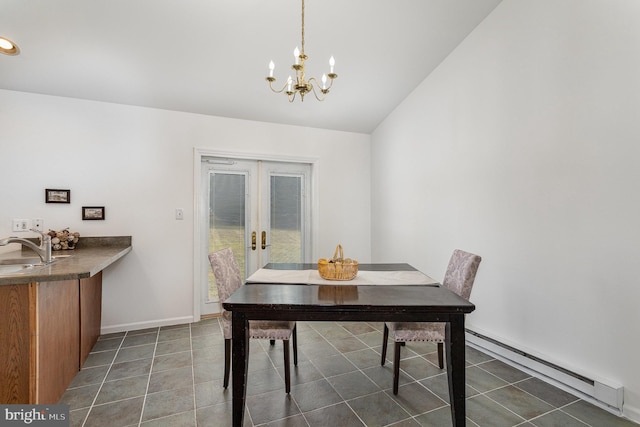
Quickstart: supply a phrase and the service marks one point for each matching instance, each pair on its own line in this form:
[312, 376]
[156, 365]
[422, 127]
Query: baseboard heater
[605, 394]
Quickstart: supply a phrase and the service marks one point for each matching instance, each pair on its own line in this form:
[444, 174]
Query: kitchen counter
[50, 319]
[92, 255]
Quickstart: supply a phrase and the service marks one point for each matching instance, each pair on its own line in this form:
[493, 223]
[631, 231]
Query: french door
[260, 209]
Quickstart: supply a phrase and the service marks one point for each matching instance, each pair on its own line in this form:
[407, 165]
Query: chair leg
[287, 368]
[227, 362]
[396, 366]
[295, 345]
[385, 338]
[440, 355]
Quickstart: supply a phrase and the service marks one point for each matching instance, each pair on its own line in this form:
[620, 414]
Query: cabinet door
[15, 344]
[90, 314]
[58, 337]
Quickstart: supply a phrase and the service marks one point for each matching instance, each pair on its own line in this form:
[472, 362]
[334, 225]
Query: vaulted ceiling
[210, 56]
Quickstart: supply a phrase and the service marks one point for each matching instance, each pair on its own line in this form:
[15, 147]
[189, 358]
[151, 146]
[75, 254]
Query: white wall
[138, 163]
[523, 147]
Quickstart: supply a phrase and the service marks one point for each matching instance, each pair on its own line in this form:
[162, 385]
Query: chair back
[461, 272]
[226, 271]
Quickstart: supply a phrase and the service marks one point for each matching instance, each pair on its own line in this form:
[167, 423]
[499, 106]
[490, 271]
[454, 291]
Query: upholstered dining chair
[228, 278]
[459, 278]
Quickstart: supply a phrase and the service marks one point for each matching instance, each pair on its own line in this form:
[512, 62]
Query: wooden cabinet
[90, 314]
[47, 330]
[15, 344]
[56, 340]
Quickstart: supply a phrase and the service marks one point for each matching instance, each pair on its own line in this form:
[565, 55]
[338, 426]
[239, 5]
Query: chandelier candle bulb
[296, 55]
[324, 82]
[271, 67]
[332, 63]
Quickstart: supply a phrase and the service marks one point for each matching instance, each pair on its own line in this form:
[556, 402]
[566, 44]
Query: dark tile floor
[172, 376]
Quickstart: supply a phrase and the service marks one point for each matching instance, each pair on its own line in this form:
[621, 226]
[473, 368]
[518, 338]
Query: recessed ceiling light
[8, 47]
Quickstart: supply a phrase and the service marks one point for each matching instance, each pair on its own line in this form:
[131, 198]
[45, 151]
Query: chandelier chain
[302, 27]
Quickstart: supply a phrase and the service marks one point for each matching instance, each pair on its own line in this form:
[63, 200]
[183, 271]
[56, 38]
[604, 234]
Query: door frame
[198, 209]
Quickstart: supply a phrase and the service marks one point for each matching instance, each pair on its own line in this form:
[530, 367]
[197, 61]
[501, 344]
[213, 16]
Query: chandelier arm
[275, 90]
[324, 90]
[313, 79]
[313, 89]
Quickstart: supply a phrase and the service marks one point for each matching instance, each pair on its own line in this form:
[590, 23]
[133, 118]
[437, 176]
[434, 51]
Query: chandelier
[299, 85]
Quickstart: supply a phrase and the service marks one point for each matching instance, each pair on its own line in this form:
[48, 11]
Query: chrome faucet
[43, 251]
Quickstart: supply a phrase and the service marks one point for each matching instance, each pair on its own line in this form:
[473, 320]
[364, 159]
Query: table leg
[240, 363]
[455, 349]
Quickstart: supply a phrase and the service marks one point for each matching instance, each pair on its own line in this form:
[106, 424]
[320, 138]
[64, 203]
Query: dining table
[389, 292]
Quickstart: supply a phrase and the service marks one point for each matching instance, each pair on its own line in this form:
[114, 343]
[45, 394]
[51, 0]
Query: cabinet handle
[264, 240]
[253, 241]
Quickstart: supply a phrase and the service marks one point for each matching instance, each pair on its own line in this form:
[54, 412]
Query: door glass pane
[227, 212]
[286, 219]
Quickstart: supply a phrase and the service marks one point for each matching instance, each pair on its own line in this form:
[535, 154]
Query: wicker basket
[338, 268]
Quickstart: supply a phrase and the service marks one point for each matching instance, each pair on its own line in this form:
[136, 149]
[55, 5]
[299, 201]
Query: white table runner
[312, 277]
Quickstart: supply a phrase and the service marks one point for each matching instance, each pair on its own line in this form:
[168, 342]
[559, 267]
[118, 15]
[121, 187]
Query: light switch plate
[20, 225]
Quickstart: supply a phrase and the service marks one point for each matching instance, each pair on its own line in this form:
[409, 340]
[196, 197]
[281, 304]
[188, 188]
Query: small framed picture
[93, 212]
[57, 196]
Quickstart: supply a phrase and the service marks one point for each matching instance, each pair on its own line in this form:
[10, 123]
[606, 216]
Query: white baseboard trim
[605, 394]
[110, 329]
[631, 412]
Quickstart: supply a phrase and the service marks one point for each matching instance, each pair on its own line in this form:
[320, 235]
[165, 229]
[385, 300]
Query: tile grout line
[354, 365]
[193, 377]
[93, 402]
[153, 357]
[414, 380]
[555, 408]
[323, 377]
[500, 404]
[421, 356]
[282, 379]
[358, 369]
[368, 347]
[514, 384]
[575, 418]
[86, 417]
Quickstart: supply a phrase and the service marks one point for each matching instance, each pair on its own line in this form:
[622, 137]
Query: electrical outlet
[37, 224]
[21, 225]
[179, 214]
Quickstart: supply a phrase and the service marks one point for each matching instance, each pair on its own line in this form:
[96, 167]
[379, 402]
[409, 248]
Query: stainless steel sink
[26, 265]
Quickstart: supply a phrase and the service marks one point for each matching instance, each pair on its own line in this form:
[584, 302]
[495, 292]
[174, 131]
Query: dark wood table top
[364, 267]
[392, 298]
[410, 299]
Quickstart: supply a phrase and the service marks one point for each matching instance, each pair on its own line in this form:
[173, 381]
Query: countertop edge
[98, 268]
[84, 262]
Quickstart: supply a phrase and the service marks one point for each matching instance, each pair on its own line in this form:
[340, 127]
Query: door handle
[264, 240]
[253, 241]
